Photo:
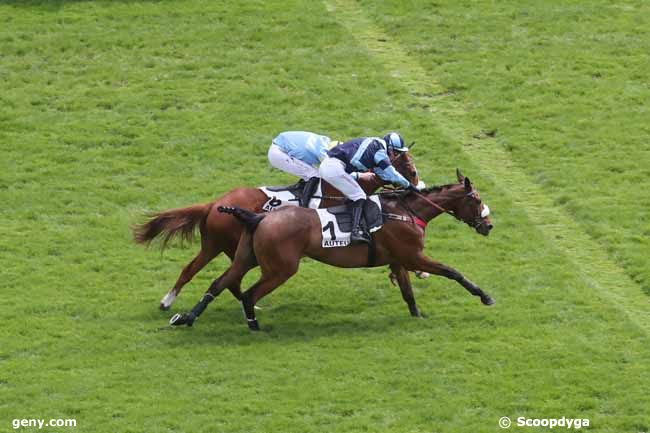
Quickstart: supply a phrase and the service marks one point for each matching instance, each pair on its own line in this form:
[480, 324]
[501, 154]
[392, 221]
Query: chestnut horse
[220, 233]
[276, 242]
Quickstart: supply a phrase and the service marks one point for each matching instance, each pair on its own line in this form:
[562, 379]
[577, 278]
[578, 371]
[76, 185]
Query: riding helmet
[395, 142]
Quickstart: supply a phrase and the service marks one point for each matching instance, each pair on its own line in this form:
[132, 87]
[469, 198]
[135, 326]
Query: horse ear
[468, 185]
[460, 176]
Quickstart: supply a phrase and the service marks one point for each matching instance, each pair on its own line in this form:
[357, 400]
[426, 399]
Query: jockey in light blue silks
[299, 153]
[343, 162]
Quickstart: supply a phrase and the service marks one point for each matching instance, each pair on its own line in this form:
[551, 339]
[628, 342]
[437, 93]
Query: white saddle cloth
[278, 199]
[332, 236]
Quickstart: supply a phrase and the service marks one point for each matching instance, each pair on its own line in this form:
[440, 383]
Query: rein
[476, 224]
[415, 218]
[437, 206]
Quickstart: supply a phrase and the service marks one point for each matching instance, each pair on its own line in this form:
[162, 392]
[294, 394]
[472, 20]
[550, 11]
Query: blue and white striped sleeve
[381, 159]
[389, 174]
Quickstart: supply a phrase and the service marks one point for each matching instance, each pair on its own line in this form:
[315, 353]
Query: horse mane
[400, 194]
[435, 188]
[438, 188]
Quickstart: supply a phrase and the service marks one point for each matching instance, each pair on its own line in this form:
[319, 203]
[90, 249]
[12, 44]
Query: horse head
[460, 199]
[470, 208]
[403, 163]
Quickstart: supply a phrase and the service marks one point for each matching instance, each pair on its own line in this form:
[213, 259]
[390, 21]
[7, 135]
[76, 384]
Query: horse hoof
[253, 325]
[164, 307]
[487, 300]
[178, 319]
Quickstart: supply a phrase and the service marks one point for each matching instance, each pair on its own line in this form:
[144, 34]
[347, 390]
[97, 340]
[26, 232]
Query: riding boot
[358, 235]
[310, 188]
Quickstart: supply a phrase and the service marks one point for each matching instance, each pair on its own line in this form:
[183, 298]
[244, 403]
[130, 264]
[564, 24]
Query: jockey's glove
[412, 188]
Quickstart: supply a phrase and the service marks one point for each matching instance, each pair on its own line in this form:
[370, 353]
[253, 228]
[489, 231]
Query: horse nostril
[489, 226]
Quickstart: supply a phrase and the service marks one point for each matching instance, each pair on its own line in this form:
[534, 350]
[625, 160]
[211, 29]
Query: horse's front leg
[404, 282]
[425, 264]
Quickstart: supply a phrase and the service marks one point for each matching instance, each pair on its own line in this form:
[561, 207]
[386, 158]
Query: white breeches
[291, 165]
[332, 170]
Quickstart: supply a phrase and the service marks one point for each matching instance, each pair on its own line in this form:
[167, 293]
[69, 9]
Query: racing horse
[276, 242]
[220, 233]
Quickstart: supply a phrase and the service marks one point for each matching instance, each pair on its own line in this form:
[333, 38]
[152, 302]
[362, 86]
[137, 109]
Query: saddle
[296, 189]
[336, 225]
[372, 218]
[290, 195]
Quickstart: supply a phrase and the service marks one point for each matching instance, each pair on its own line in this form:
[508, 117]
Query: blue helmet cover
[395, 141]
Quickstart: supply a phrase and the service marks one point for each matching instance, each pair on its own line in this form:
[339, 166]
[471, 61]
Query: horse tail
[248, 218]
[171, 223]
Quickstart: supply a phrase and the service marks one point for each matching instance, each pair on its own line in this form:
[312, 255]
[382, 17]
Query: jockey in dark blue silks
[344, 161]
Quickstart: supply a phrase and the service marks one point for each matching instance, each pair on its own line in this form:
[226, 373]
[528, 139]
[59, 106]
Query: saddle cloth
[336, 222]
[281, 196]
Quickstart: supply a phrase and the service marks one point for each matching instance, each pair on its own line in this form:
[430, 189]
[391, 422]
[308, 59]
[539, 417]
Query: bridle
[403, 159]
[478, 222]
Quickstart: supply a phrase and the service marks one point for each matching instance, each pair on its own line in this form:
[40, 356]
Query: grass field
[111, 109]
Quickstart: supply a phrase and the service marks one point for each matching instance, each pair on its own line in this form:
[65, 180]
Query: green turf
[564, 86]
[112, 109]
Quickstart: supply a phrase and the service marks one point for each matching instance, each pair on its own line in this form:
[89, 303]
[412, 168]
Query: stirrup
[359, 237]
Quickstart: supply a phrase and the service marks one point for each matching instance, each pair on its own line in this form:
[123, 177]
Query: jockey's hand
[368, 176]
[412, 188]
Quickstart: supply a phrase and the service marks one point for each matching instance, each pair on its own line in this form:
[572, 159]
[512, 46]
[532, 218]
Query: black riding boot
[310, 188]
[358, 235]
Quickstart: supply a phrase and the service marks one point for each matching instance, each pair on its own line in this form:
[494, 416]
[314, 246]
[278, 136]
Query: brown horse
[221, 233]
[276, 242]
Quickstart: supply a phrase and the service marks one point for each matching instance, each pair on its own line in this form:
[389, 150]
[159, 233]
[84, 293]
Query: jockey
[299, 153]
[361, 155]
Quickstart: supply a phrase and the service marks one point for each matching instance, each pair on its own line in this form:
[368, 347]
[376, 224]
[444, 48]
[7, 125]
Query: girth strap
[415, 220]
[372, 251]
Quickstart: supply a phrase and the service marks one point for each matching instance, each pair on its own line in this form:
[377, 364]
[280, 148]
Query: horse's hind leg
[235, 287]
[231, 278]
[272, 277]
[278, 264]
[264, 286]
[209, 250]
[244, 261]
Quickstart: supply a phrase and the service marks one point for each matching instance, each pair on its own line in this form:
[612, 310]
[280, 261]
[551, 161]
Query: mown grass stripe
[610, 281]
